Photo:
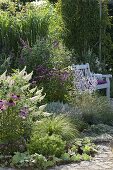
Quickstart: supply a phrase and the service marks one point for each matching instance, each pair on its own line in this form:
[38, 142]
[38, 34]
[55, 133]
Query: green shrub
[17, 104]
[47, 145]
[4, 63]
[56, 82]
[39, 54]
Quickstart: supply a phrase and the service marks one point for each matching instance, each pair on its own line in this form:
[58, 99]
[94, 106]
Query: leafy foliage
[56, 82]
[26, 160]
[62, 108]
[68, 110]
[81, 149]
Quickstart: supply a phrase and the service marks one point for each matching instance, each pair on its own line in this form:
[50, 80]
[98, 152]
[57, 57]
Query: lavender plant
[62, 108]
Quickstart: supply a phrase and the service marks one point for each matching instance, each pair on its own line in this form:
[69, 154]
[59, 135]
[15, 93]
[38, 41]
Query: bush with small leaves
[47, 145]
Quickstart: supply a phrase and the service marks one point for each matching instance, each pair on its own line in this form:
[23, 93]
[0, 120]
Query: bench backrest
[84, 68]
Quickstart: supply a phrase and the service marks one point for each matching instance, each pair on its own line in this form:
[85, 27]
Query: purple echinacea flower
[10, 103]
[15, 97]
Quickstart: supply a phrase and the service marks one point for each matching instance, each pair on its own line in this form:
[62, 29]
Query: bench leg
[108, 88]
[108, 92]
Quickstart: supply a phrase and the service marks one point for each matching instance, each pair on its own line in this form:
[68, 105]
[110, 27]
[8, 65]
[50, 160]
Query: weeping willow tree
[83, 26]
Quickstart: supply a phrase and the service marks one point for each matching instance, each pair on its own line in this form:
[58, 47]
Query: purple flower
[15, 97]
[24, 112]
[64, 76]
[1, 103]
[10, 103]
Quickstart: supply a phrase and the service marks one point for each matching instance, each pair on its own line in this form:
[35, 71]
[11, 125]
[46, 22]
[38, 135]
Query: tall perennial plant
[18, 103]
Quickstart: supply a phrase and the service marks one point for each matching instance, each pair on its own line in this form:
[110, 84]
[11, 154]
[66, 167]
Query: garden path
[102, 161]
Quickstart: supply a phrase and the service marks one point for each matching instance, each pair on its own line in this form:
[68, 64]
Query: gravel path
[102, 161]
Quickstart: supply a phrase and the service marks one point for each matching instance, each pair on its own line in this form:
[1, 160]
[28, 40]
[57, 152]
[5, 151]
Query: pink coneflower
[15, 97]
[10, 103]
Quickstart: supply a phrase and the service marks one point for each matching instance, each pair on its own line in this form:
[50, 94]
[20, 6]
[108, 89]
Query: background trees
[82, 26]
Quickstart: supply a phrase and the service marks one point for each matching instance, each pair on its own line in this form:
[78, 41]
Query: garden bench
[102, 81]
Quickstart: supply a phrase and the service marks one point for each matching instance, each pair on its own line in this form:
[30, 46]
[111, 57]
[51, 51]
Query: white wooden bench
[102, 81]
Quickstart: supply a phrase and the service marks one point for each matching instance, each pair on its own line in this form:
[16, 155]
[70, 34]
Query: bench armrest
[102, 75]
[107, 76]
